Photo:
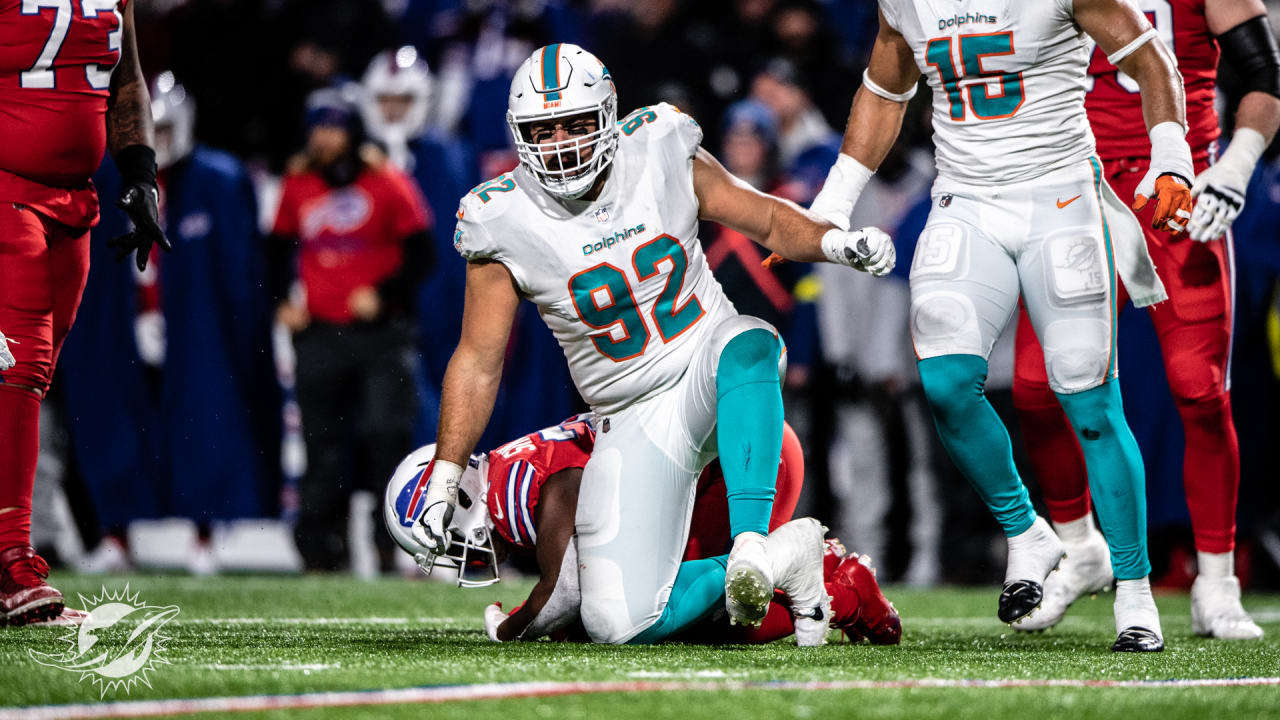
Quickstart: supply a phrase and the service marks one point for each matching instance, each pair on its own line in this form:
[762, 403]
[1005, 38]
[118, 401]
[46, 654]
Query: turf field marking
[372, 620]
[296, 667]
[501, 691]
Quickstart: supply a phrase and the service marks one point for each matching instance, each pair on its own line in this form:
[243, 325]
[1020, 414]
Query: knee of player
[751, 356]
[952, 379]
[31, 377]
[1077, 370]
[605, 622]
[1077, 354]
[1196, 383]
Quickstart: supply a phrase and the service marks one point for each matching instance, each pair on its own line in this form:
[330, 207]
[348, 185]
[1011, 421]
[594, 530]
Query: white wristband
[875, 89]
[839, 194]
[1242, 155]
[1129, 49]
[443, 484]
[1170, 152]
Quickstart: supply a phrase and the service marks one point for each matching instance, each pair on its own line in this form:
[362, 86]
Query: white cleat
[795, 551]
[748, 580]
[1086, 570]
[1216, 610]
[1033, 554]
[110, 556]
[202, 562]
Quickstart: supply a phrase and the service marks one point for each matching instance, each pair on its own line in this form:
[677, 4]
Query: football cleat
[1033, 554]
[1086, 570]
[1138, 639]
[876, 620]
[110, 556]
[70, 617]
[796, 552]
[25, 597]
[748, 580]
[1216, 610]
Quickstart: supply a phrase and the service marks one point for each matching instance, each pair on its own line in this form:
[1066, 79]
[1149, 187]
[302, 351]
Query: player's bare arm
[875, 119]
[557, 506]
[130, 138]
[1130, 43]
[1249, 47]
[780, 225]
[470, 388]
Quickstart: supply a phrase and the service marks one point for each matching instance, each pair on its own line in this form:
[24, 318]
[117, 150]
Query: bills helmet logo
[409, 502]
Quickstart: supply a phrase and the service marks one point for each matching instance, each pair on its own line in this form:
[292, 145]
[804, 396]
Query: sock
[1053, 452]
[1211, 472]
[1216, 564]
[975, 438]
[749, 427]
[19, 448]
[1075, 531]
[1116, 475]
[698, 592]
[1135, 607]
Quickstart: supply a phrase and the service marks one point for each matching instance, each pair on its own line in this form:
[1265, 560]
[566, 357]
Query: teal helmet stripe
[551, 71]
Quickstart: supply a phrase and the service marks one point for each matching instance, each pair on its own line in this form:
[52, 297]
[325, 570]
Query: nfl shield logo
[945, 201]
[602, 215]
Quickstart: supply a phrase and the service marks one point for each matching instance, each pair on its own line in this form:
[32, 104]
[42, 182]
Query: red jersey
[1113, 102]
[518, 469]
[56, 60]
[351, 236]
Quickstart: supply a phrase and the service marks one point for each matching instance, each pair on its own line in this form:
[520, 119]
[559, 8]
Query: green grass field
[245, 636]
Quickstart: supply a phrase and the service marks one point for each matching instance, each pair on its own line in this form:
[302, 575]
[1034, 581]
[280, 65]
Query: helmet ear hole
[464, 500]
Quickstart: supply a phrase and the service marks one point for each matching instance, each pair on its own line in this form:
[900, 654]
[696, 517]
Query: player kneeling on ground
[598, 227]
[522, 498]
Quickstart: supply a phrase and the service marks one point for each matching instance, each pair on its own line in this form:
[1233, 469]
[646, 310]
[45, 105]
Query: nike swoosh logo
[1064, 204]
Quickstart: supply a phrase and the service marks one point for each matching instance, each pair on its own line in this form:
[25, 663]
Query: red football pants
[43, 269]
[1194, 327]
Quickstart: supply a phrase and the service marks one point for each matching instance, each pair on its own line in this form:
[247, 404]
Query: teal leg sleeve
[749, 427]
[697, 594]
[1116, 475]
[975, 438]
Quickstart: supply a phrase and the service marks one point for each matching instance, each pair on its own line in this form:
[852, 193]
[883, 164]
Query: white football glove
[869, 249]
[493, 617]
[6, 357]
[1219, 191]
[432, 527]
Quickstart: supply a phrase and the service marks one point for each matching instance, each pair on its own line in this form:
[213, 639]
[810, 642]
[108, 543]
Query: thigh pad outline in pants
[964, 287]
[632, 521]
[1068, 287]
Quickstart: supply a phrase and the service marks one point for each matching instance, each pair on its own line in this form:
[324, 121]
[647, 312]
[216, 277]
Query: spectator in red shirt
[354, 233]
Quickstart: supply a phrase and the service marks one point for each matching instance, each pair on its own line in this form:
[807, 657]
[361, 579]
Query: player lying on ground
[1194, 326]
[1023, 211]
[522, 498]
[598, 228]
[71, 87]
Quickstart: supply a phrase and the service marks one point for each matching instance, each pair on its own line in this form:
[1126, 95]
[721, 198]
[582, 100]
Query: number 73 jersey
[56, 61]
[621, 281]
[1008, 80]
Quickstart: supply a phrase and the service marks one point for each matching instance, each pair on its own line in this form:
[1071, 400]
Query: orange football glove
[1172, 211]
[773, 259]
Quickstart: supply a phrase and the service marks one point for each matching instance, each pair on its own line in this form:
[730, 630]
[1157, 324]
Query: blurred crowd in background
[213, 387]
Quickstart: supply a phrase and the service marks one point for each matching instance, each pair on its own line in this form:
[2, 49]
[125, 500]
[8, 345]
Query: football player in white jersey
[598, 227]
[1022, 211]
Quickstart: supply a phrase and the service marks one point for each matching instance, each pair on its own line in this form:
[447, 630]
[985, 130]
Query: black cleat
[1018, 599]
[1138, 639]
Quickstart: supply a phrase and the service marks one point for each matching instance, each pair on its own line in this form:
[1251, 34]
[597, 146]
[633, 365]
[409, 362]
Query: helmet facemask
[569, 168]
[471, 550]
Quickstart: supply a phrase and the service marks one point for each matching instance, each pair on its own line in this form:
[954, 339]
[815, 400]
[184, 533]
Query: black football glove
[141, 201]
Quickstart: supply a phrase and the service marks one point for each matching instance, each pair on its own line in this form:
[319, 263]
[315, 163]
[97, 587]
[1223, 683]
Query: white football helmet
[557, 81]
[397, 74]
[471, 550]
[174, 111]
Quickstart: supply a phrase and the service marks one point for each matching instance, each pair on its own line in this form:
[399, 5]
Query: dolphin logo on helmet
[471, 551]
[559, 81]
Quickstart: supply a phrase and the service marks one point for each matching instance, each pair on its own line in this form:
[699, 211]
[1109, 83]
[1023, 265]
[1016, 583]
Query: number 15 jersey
[621, 281]
[1008, 80]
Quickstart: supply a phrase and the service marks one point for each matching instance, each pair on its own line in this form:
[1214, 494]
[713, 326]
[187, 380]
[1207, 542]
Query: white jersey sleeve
[478, 217]
[889, 10]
